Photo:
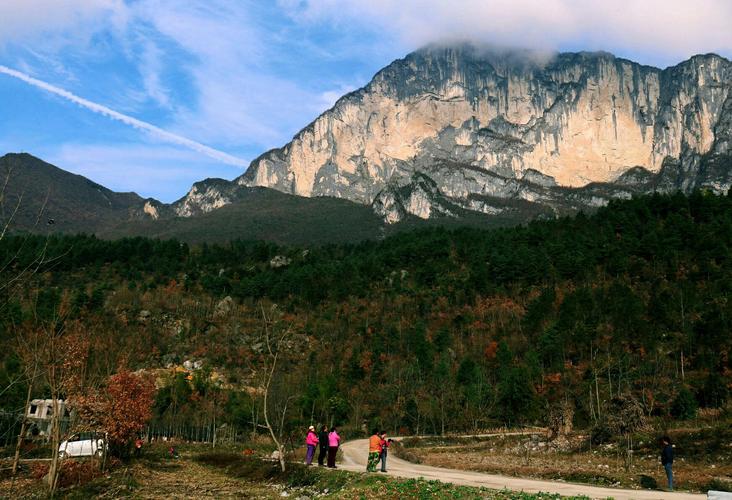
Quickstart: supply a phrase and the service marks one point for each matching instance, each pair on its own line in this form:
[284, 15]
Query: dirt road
[355, 453]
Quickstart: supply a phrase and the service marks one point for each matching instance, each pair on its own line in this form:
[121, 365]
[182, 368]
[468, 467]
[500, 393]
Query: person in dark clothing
[323, 441]
[667, 460]
[385, 443]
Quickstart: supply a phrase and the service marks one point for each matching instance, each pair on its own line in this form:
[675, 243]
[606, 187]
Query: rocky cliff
[466, 127]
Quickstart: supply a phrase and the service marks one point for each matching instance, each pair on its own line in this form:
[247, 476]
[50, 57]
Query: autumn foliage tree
[130, 405]
[121, 411]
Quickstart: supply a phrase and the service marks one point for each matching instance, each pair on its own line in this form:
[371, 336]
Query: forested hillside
[426, 331]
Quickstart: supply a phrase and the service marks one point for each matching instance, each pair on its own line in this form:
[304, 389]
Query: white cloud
[155, 131]
[661, 29]
[239, 98]
[151, 68]
[30, 20]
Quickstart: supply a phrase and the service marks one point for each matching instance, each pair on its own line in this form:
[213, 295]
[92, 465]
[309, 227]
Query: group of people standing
[378, 449]
[329, 444]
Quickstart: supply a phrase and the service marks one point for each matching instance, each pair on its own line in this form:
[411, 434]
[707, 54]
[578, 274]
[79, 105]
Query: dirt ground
[151, 478]
[185, 478]
[698, 466]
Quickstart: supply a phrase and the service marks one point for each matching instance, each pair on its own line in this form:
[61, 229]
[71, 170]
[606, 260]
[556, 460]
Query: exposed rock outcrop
[454, 126]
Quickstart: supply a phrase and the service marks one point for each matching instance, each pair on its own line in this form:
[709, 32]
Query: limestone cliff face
[474, 128]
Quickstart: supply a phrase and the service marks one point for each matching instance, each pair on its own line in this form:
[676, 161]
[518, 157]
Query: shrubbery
[684, 406]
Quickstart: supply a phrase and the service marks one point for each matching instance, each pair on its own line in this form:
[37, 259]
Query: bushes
[249, 467]
[73, 472]
[684, 405]
[601, 433]
[623, 416]
[648, 482]
[714, 394]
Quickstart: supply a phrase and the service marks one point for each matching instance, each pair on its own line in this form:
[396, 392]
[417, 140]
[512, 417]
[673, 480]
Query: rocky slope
[472, 128]
[40, 197]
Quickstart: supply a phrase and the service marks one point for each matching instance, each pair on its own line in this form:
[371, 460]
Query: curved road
[355, 453]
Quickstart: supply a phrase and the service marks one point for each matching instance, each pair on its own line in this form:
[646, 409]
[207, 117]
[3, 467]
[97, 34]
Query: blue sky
[242, 76]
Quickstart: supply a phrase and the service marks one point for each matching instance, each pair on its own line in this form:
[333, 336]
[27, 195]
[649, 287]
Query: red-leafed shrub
[130, 401]
[71, 472]
[121, 410]
[75, 472]
[38, 470]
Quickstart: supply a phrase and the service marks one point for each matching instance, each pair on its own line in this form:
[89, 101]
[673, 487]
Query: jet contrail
[138, 124]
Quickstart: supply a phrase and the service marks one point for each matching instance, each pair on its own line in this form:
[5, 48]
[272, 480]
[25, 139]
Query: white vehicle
[82, 444]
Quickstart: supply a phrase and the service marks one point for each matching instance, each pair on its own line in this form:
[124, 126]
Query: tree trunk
[280, 448]
[23, 425]
[683, 378]
[55, 442]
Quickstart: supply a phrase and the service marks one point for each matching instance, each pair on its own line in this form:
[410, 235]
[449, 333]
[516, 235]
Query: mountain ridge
[47, 196]
[327, 176]
[448, 131]
[55, 201]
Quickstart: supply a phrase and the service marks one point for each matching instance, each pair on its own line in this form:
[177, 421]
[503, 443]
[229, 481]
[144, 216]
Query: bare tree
[16, 273]
[24, 419]
[276, 338]
[57, 349]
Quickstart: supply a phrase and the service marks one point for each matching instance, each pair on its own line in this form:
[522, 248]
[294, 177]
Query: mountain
[52, 200]
[264, 214]
[38, 196]
[456, 134]
[473, 128]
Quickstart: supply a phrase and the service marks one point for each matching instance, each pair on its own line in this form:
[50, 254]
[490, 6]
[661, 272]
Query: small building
[40, 413]
[42, 409]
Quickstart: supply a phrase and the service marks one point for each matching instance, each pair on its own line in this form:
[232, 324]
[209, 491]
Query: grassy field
[703, 457]
[201, 472]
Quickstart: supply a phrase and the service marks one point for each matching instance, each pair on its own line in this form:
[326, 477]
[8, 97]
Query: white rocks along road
[356, 451]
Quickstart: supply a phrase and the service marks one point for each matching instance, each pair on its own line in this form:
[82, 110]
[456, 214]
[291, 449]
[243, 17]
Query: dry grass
[703, 459]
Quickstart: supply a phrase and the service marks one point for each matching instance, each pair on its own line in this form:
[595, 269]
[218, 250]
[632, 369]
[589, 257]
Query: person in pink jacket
[334, 441]
[311, 441]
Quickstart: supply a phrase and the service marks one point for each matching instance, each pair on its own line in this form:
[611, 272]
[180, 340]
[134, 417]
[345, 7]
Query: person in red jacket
[311, 441]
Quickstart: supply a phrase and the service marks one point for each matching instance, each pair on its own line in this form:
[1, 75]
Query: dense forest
[428, 331]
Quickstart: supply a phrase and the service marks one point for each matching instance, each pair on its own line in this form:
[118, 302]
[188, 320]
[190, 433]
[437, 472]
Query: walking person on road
[334, 441]
[667, 460]
[323, 439]
[311, 441]
[385, 443]
[374, 451]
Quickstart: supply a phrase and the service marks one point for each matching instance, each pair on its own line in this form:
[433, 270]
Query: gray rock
[456, 128]
[223, 307]
[279, 261]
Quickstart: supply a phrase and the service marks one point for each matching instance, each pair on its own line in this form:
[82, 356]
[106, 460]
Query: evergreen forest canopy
[428, 331]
